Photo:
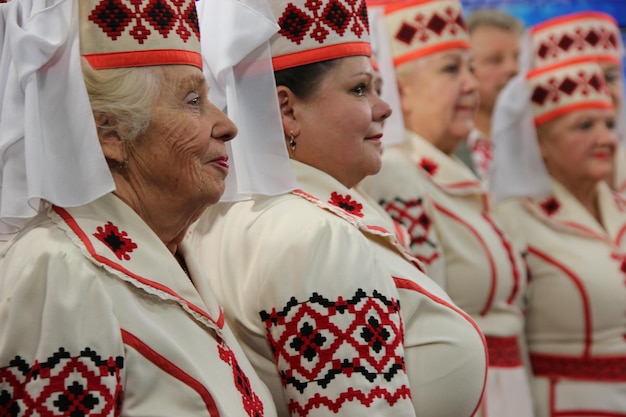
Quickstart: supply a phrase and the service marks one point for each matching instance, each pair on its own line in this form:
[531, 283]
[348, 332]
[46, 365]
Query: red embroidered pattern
[316, 341]
[580, 40]
[117, 241]
[422, 27]
[612, 368]
[550, 206]
[323, 16]
[555, 89]
[251, 401]
[346, 203]
[482, 156]
[63, 385]
[429, 166]
[412, 215]
[504, 352]
[114, 17]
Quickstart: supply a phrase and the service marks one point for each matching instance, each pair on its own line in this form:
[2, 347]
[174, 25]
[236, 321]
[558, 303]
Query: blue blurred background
[533, 11]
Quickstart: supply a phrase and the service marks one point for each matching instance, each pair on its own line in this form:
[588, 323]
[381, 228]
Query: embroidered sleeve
[60, 351]
[334, 328]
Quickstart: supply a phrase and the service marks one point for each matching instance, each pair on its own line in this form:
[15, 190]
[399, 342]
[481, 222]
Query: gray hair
[488, 17]
[126, 95]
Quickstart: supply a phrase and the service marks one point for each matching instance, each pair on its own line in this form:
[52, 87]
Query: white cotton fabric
[49, 149]
[393, 131]
[238, 65]
[517, 169]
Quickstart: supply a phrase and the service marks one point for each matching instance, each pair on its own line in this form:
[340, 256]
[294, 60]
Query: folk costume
[447, 212]
[577, 346]
[586, 34]
[97, 316]
[334, 314]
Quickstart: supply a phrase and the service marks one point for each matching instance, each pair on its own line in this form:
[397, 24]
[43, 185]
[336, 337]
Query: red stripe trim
[546, 117]
[492, 263]
[558, 65]
[511, 255]
[173, 370]
[607, 368]
[144, 58]
[324, 53]
[406, 284]
[400, 234]
[572, 18]
[442, 46]
[69, 220]
[581, 289]
[620, 236]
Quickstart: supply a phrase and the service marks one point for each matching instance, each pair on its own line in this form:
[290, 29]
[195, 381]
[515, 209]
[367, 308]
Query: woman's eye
[360, 89]
[193, 99]
[451, 69]
[585, 125]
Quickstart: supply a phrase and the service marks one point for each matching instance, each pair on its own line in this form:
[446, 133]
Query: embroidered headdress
[565, 87]
[595, 35]
[49, 148]
[119, 33]
[422, 27]
[314, 31]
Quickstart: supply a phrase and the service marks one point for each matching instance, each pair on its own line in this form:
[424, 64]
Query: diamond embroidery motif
[117, 241]
[429, 166]
[114, 18]
[550, 206]
[252, 404]
[317, 23]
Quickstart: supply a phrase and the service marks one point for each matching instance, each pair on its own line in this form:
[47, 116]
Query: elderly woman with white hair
[555, 142]
[110, 150]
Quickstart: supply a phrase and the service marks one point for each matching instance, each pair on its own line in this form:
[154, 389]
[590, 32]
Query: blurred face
[578, 148]
[494, 61]
[181, 158]
[438, 97]
[614, 83]
[340, 126]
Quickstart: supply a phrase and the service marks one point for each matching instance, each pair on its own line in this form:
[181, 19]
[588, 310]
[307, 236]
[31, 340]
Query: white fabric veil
[237, 62]
[517, 169]
[49, 149]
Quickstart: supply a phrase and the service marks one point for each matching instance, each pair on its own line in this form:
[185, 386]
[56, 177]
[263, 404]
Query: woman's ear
[288, 102]
[112, 144]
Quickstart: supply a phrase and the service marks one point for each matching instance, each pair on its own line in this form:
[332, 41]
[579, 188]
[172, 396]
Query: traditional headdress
[422, 27]
[49, 148]
[314, 31]
[589, 34]
[238, 65]
[528, 100]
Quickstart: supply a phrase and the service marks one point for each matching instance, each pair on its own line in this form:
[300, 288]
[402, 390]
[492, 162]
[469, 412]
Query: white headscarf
[238, 64]
[49, 148]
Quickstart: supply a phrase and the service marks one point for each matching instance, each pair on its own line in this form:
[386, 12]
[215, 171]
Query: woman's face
[578, 148]
[438, 94]
[182, 155]
[340, 126]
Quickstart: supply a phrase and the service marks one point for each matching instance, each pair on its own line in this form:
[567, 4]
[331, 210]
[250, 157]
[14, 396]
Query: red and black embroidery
[117, 241]
[251, 401]
[163, 16]
[422, 27]
[412, 215]
[346, 203]
[316, 341]
[429, 166]
[296, 23]
[62, 385]
[550, 206]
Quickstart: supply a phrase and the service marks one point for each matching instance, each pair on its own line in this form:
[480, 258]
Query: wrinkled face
[182, 155]
[341, 125]
[494, 61]
[438, 97]
[579, 147]
[614, 83]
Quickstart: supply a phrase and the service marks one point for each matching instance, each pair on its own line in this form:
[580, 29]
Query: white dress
[98, 318]
[446, 210]
[334, 314]
[576, 314]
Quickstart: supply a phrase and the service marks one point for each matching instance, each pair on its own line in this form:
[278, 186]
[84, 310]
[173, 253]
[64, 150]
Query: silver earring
[292, 141]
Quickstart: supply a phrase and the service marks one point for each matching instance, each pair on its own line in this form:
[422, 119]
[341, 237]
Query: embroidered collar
[114, 237]
[447, 172]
